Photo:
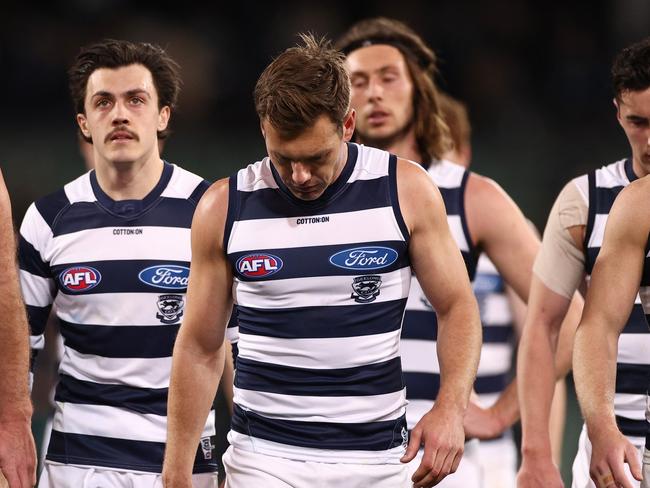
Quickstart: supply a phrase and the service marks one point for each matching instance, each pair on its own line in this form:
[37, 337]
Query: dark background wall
[535, 76]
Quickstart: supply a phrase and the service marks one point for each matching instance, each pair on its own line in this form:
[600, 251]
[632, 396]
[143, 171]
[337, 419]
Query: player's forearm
[194, 379]
[536, 384]
[14, 346]
[459, 348]
[506, 408]
[594, 369]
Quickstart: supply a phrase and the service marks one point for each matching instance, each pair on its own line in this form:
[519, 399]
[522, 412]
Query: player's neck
[129, 180]
[406, 147]
[639, 168]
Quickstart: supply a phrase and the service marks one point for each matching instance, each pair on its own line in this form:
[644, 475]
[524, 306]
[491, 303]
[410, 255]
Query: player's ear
[82, 122]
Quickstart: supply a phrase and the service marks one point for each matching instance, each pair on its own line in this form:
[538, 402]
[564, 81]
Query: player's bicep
[617, 272]
[209, 295]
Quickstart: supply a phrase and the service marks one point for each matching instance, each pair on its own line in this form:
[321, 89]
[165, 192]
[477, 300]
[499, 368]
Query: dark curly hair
[631, 68]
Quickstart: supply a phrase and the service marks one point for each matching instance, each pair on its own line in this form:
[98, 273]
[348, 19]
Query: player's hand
[17, 453]
[610, 450]
[441, 432]
[482, 423]
[539, 472]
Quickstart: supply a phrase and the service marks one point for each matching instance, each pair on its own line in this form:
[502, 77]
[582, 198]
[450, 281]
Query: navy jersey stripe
[498, 334]
[30, 260]
[198, 192]
[632, 428]
[421, 386]
[51, 206]
[123, 276]
[632, 378]
[321, 322]
[473, 253]
[394, 197]
[37, 317]
[425, 386]
[140, 400]
[169, 212]
[124, 341]
[454, 197]
[494, 383]
[318, 257]
[117, 453]
[369, 436]
[636, 323]
[420, 325]
[591, 218]
[373, 379]
[269, 203]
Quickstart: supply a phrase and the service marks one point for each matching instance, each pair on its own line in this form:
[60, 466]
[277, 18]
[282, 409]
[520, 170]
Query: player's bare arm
[500, 229]
[441, 272]
[17, 451]
[199, 350]
[614, 285]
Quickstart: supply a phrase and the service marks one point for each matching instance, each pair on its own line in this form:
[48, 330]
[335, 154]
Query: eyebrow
[129, 93]
[311, 157]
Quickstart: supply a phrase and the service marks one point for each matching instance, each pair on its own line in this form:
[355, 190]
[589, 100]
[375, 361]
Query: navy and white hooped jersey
[633, 361]
[498, 332]
[116, 272]
[420, 331]
[320, 288]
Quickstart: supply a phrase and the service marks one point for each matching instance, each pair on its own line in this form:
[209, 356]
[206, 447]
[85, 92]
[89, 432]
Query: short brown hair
[431, 132]
[455, 114]
[631, 68]
[112, 54]
[301, 84]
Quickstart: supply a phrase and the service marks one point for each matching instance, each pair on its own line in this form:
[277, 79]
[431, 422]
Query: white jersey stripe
[313, 291]
[343, 409]
[321, 353]
[115, 422]
[284, 233]
[91, 244]
[137, 372]
[37, 291]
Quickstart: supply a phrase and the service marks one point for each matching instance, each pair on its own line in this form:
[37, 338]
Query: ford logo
[169, 276]
[364, 258]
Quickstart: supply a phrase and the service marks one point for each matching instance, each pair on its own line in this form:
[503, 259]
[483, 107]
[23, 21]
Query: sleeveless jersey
[419, 331]
[320, 288]
[632, 368]
[116, 272]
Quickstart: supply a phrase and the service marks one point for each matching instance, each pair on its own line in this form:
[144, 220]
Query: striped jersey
[633, 361]
[419, 331]
[498, 332]
[116, 273]
[320, 288]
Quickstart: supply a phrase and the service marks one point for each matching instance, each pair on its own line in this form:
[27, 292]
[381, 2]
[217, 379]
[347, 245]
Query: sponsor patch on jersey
[364, 258]
[207, 447]
[259, 265]
[170, 276]
[170, 308]
[80, 278]
[366, 288]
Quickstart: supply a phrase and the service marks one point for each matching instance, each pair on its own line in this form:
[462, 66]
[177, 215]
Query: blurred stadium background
[535, 76]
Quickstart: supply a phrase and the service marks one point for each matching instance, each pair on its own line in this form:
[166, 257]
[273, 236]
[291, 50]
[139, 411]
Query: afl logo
[168, 276]
[259, 265]
[80, 278]
[363, 258]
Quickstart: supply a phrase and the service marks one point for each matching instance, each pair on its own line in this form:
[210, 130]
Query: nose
[120, 114]
[375, 89]
[300, 173]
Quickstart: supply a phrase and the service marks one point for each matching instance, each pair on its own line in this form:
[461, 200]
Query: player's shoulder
[184, 184]
[636, 195]
[215, 198]
[51, 206]
[484, 189]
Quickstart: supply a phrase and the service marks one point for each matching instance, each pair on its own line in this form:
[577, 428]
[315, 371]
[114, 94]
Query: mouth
[377, 117]
[121, 136]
